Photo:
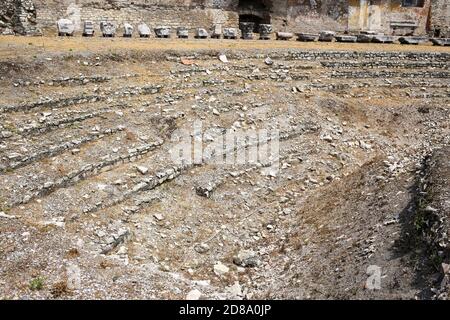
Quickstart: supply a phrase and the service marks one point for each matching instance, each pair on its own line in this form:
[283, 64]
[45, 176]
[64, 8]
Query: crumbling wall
[294, 15]
[388, 16]
[440, 18]
[310, 15]
[6, 16]
[18, 16]
[173, 13]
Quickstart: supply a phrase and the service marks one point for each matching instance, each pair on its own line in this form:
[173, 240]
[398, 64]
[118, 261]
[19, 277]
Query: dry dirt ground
[93, 206]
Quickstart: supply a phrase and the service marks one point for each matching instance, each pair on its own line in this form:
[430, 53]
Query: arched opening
[256, 11]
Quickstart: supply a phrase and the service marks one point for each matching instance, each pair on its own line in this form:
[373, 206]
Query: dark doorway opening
[256, 11]
[251, 18]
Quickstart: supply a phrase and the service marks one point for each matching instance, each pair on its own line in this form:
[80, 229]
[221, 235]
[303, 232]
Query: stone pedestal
[88, 29]
[247, 30]
[216, 31]
[201, 33]
[144, 30]
[265, 30]
[182, 33]
[230, 33]
[326, 36]
[65, 27]
[128, 30]
[162, 32]
[108, 29]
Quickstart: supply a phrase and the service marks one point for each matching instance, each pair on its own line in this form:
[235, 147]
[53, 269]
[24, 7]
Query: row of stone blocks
[66, 28]
[368, 37]
[108, 29]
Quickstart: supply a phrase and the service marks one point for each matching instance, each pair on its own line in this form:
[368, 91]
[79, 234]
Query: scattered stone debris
[91, 181]
[223, 58]
[194, 295]
[220, 269]
[246, 259]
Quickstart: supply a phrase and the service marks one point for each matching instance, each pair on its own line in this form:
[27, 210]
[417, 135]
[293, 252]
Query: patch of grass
[37, 284]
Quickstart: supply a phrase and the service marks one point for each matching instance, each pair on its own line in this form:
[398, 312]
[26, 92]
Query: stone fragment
[307, 37]
[65, 27]
[216, 31]
[268, 61]
[108, 29]
[247, 30]
[326, 36]
[143, 30]
[88, 29]
[230, 33]
[383, 39]
[246, 259]
[182, 33]
[194, 295]
[265, 30]
[201, 33]
[143, 170]
[6, 216]
[364, 37]
[413, 40]
[162, 32]
[127, 30]
[235, 290]
[223, 58]
[73, 274]
[441, 41]
[284, 36]
[202, 248]
[345, 38]
[220, 269]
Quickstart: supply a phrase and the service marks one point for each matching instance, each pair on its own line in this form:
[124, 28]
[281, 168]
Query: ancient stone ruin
[391, 17]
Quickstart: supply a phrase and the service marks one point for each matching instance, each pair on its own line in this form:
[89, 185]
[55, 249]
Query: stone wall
[189, 13]
[440, 18]
[387, 16]
[295, 15]
[18, 16]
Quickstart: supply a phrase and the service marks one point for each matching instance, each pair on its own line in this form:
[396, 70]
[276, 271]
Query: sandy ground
[12, 46]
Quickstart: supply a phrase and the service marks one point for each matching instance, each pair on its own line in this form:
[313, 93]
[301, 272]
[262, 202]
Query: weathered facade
[440, 18]
[283, 14]
[398, 17]
[395, 17]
